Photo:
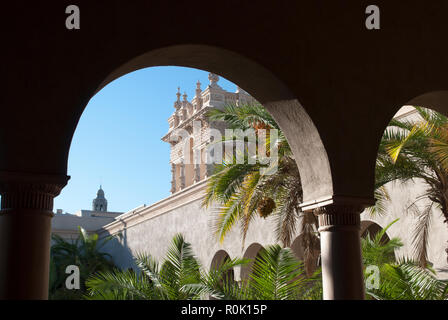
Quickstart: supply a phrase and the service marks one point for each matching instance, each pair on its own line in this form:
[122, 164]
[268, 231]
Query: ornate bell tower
[100, 202]
[188, 165]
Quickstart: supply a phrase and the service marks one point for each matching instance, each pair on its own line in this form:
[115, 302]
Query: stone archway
[309, 151]
[371, 229]
[252, 252]
[218, 260]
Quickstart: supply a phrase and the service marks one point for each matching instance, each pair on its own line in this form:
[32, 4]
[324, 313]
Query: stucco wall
[154, 234]
[402, 196]
[151, 229]
[66, 225]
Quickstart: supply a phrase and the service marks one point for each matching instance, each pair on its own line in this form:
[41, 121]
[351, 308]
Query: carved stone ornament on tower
[173, 178]
[177, 103]
[198, 96]
[182, 175]
[197, 168]
[213, 78]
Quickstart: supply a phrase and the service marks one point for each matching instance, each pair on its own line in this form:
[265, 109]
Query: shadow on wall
[118, 248]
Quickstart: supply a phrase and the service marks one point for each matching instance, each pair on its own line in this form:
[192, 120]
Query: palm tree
[276, 275]
[83, 252]
[405, 280]
[378, 251]
[399, 280]
[412, 150]
[179, 277]
[243, 190]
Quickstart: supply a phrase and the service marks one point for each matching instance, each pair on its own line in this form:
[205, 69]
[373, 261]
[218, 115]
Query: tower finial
[178, 94]
[198, 89]
[185, 96]
[214, 78]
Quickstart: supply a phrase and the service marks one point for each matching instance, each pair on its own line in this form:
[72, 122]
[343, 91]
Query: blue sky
[117, 141]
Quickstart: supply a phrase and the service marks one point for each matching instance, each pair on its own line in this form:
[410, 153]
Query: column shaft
[25, 229]
[342, 271]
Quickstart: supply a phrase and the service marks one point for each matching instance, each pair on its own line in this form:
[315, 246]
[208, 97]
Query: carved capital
[30, 191]
[339, 216]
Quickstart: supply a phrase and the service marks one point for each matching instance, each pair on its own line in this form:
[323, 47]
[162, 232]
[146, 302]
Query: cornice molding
[190, 194]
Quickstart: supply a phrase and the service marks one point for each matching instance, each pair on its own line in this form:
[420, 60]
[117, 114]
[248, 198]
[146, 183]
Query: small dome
[100, 202]
[100, 193]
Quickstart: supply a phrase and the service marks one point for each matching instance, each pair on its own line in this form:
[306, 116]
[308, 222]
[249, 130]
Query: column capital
[339, 216]
[30, 191]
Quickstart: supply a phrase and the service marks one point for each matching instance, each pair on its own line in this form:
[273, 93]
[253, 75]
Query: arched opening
[309, 151]
[219, 259]
[298, 127]
[410, 179]
[252, 252]
[371, 229]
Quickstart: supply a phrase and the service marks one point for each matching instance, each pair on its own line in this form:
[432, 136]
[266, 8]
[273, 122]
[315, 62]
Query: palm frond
[277, 274]
[420, 239]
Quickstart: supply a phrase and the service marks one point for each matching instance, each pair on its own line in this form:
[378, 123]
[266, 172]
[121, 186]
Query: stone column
[182, 175]
[342, 271]
[25, 229]
[209, 170]
[173, 178]
[197, 167]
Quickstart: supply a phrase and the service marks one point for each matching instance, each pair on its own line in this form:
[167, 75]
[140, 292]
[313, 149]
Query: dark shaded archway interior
[219, 259]
[252, 252]
[371, 229]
